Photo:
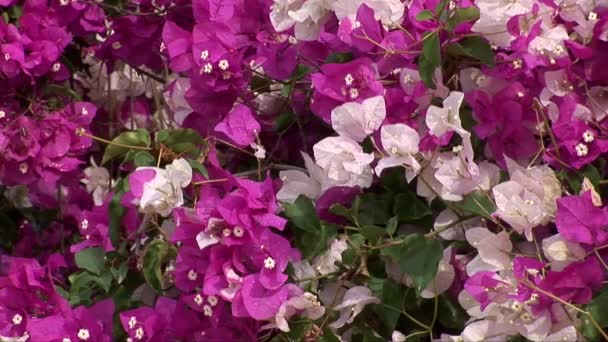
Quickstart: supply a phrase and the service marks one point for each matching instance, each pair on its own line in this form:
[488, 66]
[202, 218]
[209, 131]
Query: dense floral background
[303, 170]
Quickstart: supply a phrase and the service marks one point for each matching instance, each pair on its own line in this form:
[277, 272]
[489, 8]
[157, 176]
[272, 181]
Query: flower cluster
[303, 170]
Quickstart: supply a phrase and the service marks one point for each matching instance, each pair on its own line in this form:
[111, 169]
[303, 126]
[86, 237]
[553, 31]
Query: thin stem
[415, 334]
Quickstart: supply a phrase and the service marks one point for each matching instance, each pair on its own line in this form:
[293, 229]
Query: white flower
[358, 120]
[493, 18]
[97, 182]
[176, 100]
[493, 248]
[401, 143]
[325, 263]
[561, 253]
[306, 304]
[519, 207]
[344, 162]
[296, 183]
[164, 191]
[353, 302]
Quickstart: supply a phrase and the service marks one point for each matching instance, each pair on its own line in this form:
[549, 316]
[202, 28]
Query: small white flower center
[207, 311]
[2, 114]
[204, 54]
[139, 333]
[517, 64]
[457, 148]
[348, 79]
[116, 45]
[588, 136]
[56, 67]
[198, 299]
[132, 322]
[269, 263]
[223, 65]
[212, 300]
[226, 232]
[7, 56]
[192, 275]
[581, 150]
[592, 16]
[238, 232]
[83, 334]
[17, 319]
[207, 68]
[84, 111]
[84, 224]
[23, 168]
[354, 93]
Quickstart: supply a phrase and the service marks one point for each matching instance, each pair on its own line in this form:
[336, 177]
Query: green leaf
[141, 158]
[408, 207]
[59, 90]
[303, 214]
[426, 70]
[475, 47]
[391, 225]
[196, 165]
[461, 15]
[592, 173]
[138, 138]
[477, 203]
[451, 315]
[431, 49]
[91, 259]
[340, 57]
[424, 15]
[156, 255]
[417, 256]
[598, 308]
[116, 211]
[298, 329]
[180, 140]
[374, 209]
[391, 296]
[120, 273]
[329, 336]
[372, 233]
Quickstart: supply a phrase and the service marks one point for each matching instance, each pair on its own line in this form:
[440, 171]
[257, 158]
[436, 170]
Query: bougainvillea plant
[303, 170]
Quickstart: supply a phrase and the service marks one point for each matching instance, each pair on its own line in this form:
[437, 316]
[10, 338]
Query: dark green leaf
[424, 15]
[340, 57]
[180, 140]
[477, 203]
[298, 329]
[312, 244]
[91, 259]
[475, 47]
[138, 138]
[196, 165]
[451, 315]
[117, 211]
[120, 273]
[431, 49]
[391, 225]
[156, 255]
[372, 233]
[374, 209]
[461, 15]
[303, 214]
[329, 336]
[417, 256]
[143, 158]
[426, 70]
[408, 207]
[593, 175]
[59, 90]
[391, 296]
